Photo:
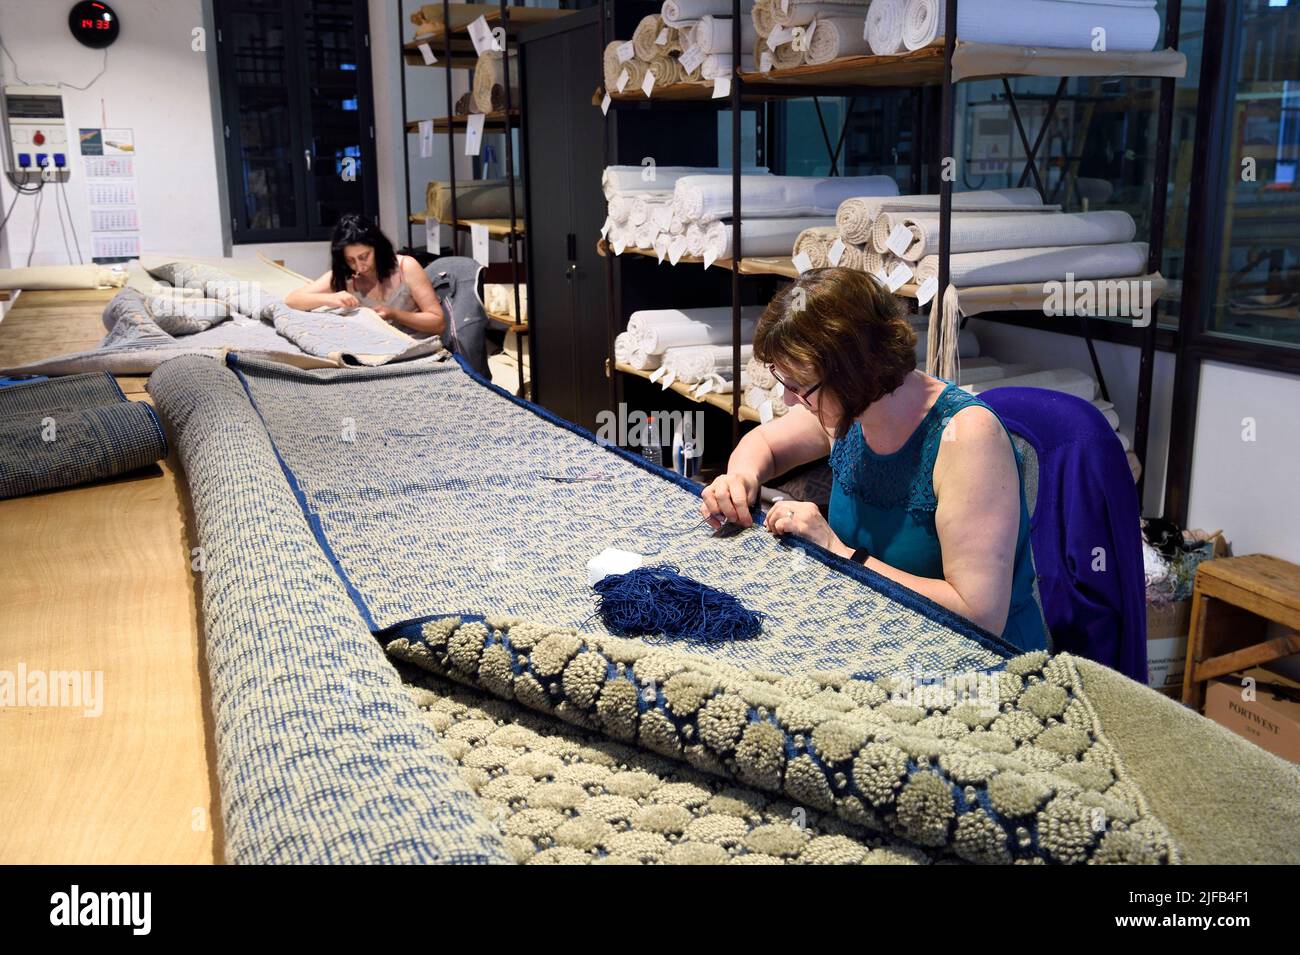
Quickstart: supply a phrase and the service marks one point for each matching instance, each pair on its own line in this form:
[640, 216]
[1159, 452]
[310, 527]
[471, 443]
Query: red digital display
[93, 24]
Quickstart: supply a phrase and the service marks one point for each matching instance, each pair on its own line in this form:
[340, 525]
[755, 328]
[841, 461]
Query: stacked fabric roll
[692, 345]
[789, 33]
[897, 26]
[640, 206]
[655, 47]
[775, 210]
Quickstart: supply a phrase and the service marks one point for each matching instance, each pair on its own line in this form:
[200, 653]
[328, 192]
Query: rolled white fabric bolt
[835, 37]
[922, 23]
[713, 35]
[678, 12]
[884, 27]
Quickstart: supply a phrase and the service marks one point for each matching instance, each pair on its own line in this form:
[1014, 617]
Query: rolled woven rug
[885, 27]
[610, 64]
[643, 38]
[922, 23]
[814, 242]
[635, 70]
[759, 374]
[464, 104]
[872, 261]
[851, 258]
[853, 218]
[802, 12]
[666, 70]
[834, 37]
[761, 16]
[713, 35]
[489, 82]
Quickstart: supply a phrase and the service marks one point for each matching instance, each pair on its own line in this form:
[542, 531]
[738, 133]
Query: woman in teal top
[927, 488]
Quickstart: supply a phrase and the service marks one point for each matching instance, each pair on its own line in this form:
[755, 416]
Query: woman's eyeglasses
[801, 395]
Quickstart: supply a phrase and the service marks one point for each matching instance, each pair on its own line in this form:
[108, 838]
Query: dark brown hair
[846, 330]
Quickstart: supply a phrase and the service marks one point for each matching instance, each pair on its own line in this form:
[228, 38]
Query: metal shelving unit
[456, 52]
[934, 66]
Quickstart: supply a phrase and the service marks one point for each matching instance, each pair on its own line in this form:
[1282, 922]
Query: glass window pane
[1256, 265]
[257, 44]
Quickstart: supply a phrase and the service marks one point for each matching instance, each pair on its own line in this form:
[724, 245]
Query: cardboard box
[1167, 628]
[1270, 720]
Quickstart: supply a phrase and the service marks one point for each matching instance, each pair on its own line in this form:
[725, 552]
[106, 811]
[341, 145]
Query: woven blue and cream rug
[405, 667]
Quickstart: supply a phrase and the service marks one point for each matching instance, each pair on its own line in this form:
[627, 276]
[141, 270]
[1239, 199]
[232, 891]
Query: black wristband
[860, 556]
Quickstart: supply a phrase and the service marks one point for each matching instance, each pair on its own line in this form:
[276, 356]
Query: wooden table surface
[98, 579]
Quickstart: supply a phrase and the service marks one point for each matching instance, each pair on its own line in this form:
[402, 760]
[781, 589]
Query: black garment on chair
[455, 280]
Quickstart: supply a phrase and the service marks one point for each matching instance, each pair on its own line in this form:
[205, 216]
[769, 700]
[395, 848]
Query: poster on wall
[108, 156]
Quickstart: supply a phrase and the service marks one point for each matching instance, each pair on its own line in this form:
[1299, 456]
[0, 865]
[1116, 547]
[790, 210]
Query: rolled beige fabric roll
[666, 70]
[635, 76]
[786, 56]
[489, 83]
[853, 219]
[834, 37]
[612, 67]
[643, 38]
[852, 257]
[759, 375]
[872, 261]
[761, 16]
[880, 230]
[814, 242]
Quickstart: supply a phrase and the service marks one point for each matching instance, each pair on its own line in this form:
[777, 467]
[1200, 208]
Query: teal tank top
[886, 503]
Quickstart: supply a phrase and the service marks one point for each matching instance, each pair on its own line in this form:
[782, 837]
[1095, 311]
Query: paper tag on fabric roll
[808, 35]
[481, 34]
[778, 36]
[426, 138]
[648, 83]
[676, 248]
[604, 104]
[626, 51]
[710, 256]
[432, 239]
[778, 391]
[474, 133]
[899, 277]
[721, 87]
[899, 239]
[880, 276]
[479, 240]
[662, 38]
[765, 412]
[691, 59]
[668, 380]
[705, 387]
[658, 373]
[785, 6]
[835, 252]
[927, 290]
[802, 263]
[426, 51]
[604, 230]
[622, 81]
[661, 249]
[765, 62]
[619, 246]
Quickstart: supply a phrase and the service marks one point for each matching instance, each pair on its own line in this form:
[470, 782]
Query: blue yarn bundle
[654, 601]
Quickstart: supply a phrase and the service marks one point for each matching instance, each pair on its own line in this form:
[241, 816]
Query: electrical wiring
[63, 193]
[58, 211]
[36, 225]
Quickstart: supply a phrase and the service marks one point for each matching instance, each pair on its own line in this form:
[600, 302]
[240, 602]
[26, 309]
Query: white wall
[155, 85]
[1248, 487]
